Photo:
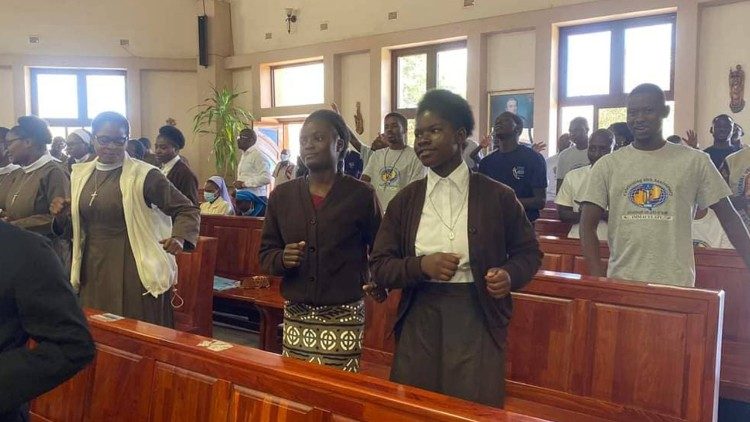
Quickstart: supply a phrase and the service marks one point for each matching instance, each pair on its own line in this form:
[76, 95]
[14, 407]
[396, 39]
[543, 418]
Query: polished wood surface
[717, 269]
[549, 213]
[144, 372]
[584, 348]
[239, 243]
[546, 227]
[195, 271]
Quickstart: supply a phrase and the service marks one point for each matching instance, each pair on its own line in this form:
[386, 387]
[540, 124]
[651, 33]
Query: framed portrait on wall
[520, 102]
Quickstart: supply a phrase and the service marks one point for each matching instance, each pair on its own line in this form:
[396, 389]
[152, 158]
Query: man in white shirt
[602, 142]
[562, 144]
[391, 169]
[707, 231]
[576, 156]
[651, 188]
[254, 169]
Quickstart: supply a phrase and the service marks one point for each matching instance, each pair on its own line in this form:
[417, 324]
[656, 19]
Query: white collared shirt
[83, 159]
[254, 170]
[36, 165]
[446, 203]
[9, 168]
[169, 165]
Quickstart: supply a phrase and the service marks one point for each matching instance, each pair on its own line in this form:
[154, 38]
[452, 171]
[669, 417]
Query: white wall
[171, 94]
[510, 60]
[155, 28]
[355, 87]
[723, 41]
[252, 19]
[7, 114]
[243, 82]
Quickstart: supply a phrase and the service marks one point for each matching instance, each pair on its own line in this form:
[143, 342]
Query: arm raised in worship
[734, 227]
[51, 316]
[186, 217]
[591, 214]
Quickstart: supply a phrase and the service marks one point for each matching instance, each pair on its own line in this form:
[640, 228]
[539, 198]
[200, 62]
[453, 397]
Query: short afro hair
[110, 117]
[336, 122]
[401, 119]
[33, 128]
[172, 135]
[448, 106]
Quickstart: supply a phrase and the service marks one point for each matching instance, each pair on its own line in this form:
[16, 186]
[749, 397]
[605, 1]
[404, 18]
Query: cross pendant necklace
[97, 186]
[93, 196]
[13, 201]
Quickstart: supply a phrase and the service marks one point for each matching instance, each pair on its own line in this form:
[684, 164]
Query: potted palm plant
[220, 117]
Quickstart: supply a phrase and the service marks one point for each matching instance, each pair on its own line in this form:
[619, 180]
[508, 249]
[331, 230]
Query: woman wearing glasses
[123, 247]
[26, 200]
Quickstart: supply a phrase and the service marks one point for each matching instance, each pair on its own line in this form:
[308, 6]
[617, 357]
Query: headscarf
[259, 205]
[84, 135]
[223, 191]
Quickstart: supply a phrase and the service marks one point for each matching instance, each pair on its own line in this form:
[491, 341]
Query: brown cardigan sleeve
[524, 256]
[272, 244]
[392, 266]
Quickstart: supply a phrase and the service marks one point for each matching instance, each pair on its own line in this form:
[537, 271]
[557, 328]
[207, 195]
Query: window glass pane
[105, 93]
[293, 130]
[59, 131]
[298, 85]
[608, 116]
[648, 56]
[569, 113]
[57, 96]
[451, 71]
[588, 64]
[412, 80]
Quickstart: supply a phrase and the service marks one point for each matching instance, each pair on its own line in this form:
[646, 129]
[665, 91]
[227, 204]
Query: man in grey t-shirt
[391, 169]
[576, 155]
[651, 188]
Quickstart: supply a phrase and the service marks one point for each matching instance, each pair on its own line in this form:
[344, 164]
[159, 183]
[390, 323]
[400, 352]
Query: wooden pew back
[195, 286]
[147, 373]
[612, 350]
[547, 227]
[239, 244]
[717, 269]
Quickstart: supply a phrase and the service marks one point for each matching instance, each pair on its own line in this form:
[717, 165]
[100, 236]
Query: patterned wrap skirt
[329, 335]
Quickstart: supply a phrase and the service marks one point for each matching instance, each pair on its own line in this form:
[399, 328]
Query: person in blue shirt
[517, 165]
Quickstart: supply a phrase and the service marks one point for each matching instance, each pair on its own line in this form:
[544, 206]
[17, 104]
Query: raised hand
[486, 141]
[172, 245]
[539, 146]
[379, 142]
[498, 283]
[335, 108]
[440, 266]
[692, 138]
[60, 207]
[359, 121]
[293, 254]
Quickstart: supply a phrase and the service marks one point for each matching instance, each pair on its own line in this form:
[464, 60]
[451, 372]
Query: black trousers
[444, 345]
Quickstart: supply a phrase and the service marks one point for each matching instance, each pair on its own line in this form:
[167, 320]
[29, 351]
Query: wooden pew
[194, 286]
[717, 269]
[549, 213]
[583, 348]
[144, 372]
[546, 227]
[239, 243]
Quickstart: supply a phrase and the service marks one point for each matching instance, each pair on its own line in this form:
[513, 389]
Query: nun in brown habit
[123, 246]
[168, 145]
[457, 243]
[25, 200]
[8, 170]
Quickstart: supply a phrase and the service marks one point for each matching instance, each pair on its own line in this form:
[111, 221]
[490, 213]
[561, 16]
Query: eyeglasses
[106, 140]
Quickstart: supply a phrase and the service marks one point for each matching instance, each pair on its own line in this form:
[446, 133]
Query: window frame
[83, 119]
[431, 51]
[617, 97]
[286, 66]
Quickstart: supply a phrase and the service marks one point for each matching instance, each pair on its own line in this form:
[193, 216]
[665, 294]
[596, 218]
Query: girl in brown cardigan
[457, 243]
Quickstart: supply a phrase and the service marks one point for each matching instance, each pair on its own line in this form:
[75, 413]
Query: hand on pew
[173, 245]
[498, 283]
[293, 253]
[376, 292]
[440, 266]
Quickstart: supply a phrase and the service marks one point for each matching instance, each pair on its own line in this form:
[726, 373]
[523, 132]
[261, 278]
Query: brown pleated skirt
[444, 345]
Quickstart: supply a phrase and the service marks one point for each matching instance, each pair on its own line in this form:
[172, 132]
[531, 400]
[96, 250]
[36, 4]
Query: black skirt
[444, 345]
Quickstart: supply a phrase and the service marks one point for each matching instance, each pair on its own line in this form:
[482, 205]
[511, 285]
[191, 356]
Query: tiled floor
[236, 336]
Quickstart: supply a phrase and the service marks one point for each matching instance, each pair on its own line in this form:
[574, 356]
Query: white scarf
[36, 165]
[9, 168]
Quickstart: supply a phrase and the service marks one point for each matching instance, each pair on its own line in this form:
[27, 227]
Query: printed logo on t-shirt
[519, 172]
[648, 195]
[389, 177]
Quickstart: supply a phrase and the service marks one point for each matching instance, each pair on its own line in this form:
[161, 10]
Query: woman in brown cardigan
[317, 234]
[457, 243]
